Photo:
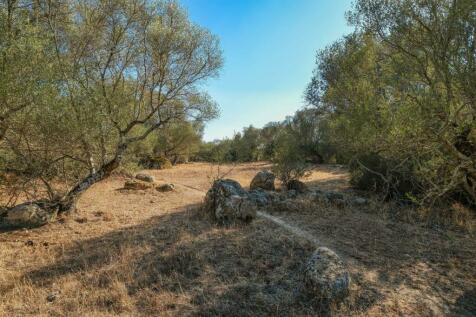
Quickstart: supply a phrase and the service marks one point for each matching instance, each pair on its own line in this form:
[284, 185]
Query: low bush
[373, 172]
[289, 161]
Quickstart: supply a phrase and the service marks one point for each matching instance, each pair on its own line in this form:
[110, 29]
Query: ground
[145, 253]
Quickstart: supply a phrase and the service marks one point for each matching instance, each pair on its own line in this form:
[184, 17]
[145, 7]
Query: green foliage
[179, 141]
[84, 86]
[402, 85]
[389, 177]
[155, 162]
[254, 144]
[289, 159]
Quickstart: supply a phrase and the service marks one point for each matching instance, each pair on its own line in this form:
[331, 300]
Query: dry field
[145, 253]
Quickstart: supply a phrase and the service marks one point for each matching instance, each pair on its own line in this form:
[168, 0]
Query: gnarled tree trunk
[68, 202]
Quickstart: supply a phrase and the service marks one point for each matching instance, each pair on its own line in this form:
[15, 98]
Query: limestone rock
[145, 177]
[228, 202]
[137, 185]
[325, 275]
[359, 201]
[27, 215]
[263, 180]
[165, 188]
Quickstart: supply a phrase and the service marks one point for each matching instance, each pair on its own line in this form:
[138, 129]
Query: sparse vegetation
[115, 72]
[111, 203]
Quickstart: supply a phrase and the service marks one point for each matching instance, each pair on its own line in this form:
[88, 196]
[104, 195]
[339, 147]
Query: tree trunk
[68, 203]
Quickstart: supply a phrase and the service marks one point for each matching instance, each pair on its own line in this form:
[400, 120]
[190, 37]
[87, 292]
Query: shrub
[385, 176]
[155, 162]
[289, 160]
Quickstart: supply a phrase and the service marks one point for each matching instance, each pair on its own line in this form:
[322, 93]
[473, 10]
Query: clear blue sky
[269, 47]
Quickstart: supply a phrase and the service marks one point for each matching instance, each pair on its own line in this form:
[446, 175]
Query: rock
[165, 188]
[52, 297]
[28, 215]
[227, 202]
[332, 196]
[262, 198]
[81, 220]
[259, 197]
[287, 205]
[137, 185]
[325, 275]
[263, 180]
[145, 177]
[328, 197]
[359, 201]
[296, 185]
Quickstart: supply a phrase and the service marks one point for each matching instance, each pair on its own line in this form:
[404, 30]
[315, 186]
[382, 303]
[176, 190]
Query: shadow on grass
[436, 265]
[181, 264]
[465, 305]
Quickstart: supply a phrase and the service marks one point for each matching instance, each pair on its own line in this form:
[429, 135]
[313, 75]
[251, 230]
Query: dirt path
[291, 228]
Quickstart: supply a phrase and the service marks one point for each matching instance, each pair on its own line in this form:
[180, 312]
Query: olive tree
[120, 70]
[402, 87]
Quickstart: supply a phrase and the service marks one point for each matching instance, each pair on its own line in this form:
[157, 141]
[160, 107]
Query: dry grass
[147, 253]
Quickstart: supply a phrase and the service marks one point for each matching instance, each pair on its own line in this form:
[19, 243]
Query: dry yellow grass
[145, 253]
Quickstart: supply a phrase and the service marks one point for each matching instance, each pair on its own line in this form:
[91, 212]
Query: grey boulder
[325, 275]
[263, 180]
[165, 188]
[227, 202]
[27, 215]
[145, 177]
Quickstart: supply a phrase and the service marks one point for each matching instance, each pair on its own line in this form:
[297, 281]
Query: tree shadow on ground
[436, 265]
[465, 305]
[181, 264]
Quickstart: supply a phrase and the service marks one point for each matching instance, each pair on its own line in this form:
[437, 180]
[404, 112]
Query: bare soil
[146, 253]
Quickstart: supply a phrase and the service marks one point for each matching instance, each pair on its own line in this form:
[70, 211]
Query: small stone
[165, 188]
[360, 201]
[145, 177]
[52, 297]
[137, 185]
[81, 220]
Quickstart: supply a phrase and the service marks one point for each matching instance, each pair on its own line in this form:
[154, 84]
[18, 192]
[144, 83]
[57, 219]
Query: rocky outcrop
[325, 275]
[263, 180]
[145, 177]
[228, 202]
[27, 215]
